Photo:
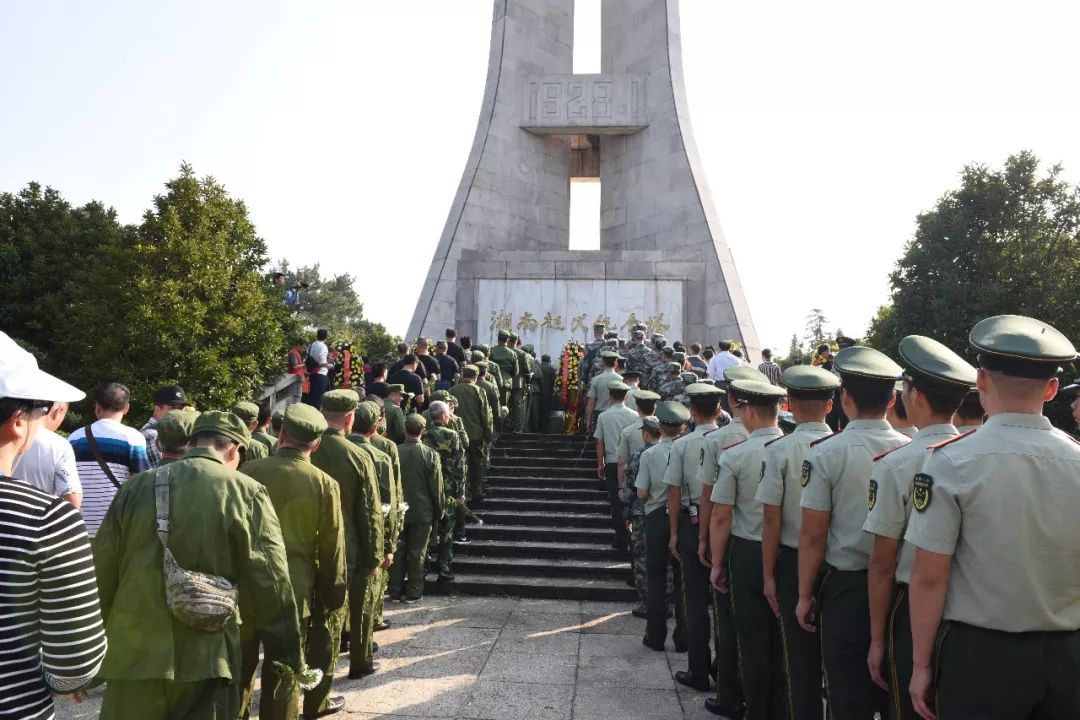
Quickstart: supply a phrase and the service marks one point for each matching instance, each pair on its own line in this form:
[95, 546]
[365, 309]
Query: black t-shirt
[396, 368]
[430, 364]
[409, 379]
[448, 367]
[455, 351]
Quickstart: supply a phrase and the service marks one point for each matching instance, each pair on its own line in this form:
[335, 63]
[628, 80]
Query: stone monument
[504, 260]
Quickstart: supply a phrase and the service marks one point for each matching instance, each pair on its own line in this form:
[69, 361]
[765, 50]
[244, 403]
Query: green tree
[817, 329]
[179, 298]
[795, 353]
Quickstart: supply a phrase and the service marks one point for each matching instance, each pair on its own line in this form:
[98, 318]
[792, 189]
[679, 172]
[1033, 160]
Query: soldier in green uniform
[389, 447]
[935, 382]
[658, 558]
[395, 417]
[995, 580]
[361, 507]
[494, 373]
[491, 390]
[276, 422]
[365, 429]
[659, 373]
[308, 506]
[423, 485]
[609, 426]
[446, 442]
[649, 432]
[735, 512]
[684, 490]
[598, 400]
[248, 412]
[221, 523]
[524, 381]
[475, 414]
[630, 439]
[174, 435]
[592, 351]
[507, 362]
[262, 430]
[810, 391]
[836, 484]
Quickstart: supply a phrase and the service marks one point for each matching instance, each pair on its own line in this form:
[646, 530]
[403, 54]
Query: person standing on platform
[598, 400]
[444, 440]
[389, 447]
[810, 391]
[649, 432]
[448, 366]
[421, 472]
[609, 425]
[169, 397]
[997, 560]
[630, 439]
[453, 349]
[317, 367]
[836, 484]
[506, 360]
[473, 409]
[173, 435]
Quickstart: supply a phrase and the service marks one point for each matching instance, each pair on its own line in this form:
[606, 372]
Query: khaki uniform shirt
[630, 402]
[741, 469]
[391, 449]
[686, 456]
[421, 480]
[965, 429]
[630, 439]
[388, 491]
[836, 479]
[598, 388]
[780, 477]
[650, 477]
[474, 411]
[255, 450]
[890, 491]
[395, 422]
[609, 426]
[909, 430]
[716, 441]
[1004, 503]
[361, 504]
[266, 439]
[308, 506]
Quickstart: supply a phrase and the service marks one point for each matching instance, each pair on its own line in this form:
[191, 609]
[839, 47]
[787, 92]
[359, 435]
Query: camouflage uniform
[658, 375]
[447, 443]
[671, 387]
[592, 351]
[637, 357]
[637, 520]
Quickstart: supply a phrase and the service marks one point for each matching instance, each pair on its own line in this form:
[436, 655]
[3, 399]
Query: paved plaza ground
[509, 659]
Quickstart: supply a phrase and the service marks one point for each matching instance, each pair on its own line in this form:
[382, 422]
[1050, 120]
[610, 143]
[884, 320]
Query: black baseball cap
[171, 395]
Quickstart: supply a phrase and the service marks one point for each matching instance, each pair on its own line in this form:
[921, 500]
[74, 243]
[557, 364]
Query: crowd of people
[278, 534]
[903, 546]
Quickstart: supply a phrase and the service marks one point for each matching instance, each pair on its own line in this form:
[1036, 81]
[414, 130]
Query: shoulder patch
[890, 451]
[806, 469]
[923, 486]
[817, 442]
[950, 441]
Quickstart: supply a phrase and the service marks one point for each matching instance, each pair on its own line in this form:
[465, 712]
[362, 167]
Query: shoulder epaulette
[776, 440]
[950, 441]
[1068, 435]
[710, 432]
[891, 451]
[735, 444]
[817, 442]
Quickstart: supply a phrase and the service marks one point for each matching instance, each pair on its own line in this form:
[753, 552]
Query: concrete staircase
[547, 529]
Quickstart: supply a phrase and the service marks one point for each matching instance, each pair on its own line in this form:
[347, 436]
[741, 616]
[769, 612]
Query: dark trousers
[802, 650]
[729, 691]
[845, 643]
[901, 657]
[407, 572]
[475, 469]
[318, 385]
[611, 484]
[991, 675]
[657, 561]
[760, 662]
[695, 599]
[446, 543]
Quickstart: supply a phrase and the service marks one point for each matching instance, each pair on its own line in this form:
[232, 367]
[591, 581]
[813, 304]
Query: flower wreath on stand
[568, 383]
[350, 369]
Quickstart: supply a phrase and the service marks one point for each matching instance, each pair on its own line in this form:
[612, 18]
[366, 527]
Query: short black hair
[466, 342]
[705, 404]
[898, 406]
[322, 334]
[609, 361]
[440, 346]
[617, 394]
[737, 352]
[545, 358]
[113, 396]
[402, 348]
[409, 359]
[707, 353]
[646, 406]
[869, 396]
[767, 354]
[724, 345]
[971, 406]
[451, 333]
[695, 348]
[944, 402]
[265, 413]
[378, 369]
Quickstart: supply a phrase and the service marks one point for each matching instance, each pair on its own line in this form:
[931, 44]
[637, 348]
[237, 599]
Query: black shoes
[639, 613]
[462, 540]
[443, 578]
[344, 647]
[333, 705]
[383, 625]
[360, 674]
[658, 647]
[374, 646]
[693, 681]
[717, 708]
[412, 600]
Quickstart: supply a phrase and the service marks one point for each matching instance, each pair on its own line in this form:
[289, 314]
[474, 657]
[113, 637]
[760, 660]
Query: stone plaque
[595, 104]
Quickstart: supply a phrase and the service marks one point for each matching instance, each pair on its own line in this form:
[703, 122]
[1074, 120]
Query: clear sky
[824, 127]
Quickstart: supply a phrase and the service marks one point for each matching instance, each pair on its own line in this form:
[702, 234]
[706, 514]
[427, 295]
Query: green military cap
[651, 425]
[617, 385]
[514, 336]
[415, 424]
[246, 411]
[442, 395]
[174, 430]
[708, 381]
[868, 363]
[807, 382]
[341, 401]
[744, 372]
[503, 335]
[640, 326]
[395, 388]
[679, 356]
[754, 392]
[668, 350]
[470, 370]
[670, 412]
[599, 326]
[1021, 346]
[482, 364]
[674, 367]
[277, 419]
[639, 334]
[485, 348]
[528, 348]
[367, 413]
[303, 422]
[222, 423]
[927, 362]
[609, 354]
[699, 388]
[478, 356]
[645, 395]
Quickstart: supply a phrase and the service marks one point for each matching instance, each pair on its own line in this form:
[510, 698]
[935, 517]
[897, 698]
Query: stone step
[502, 478]
[544, 471]
[543, 463]
[542, 567]
[547, 519]
[545, 533]
[545, 452]
[538, 549]
[539, 492]
[594, 589]
[581, 444]
[542, 503]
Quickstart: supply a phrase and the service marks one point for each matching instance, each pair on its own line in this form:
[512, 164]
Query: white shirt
[720, 362]
[49, 465]
[320, 352]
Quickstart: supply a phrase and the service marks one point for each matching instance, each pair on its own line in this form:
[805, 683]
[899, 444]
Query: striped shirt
[772, 371]
[51, 636]
[123, 449]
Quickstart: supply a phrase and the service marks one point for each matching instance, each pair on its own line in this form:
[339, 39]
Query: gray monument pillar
[504, 260]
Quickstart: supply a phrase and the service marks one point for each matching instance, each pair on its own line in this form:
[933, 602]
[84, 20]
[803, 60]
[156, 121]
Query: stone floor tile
[518, 701]
[624, 624]
[553, 606]
[640, 671]
[409, 696]
[538, 642]
[453, 637]
[595, 702]
[613, 645]
[530, 668]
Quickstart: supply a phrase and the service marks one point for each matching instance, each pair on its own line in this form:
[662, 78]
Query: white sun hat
[21, 379]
